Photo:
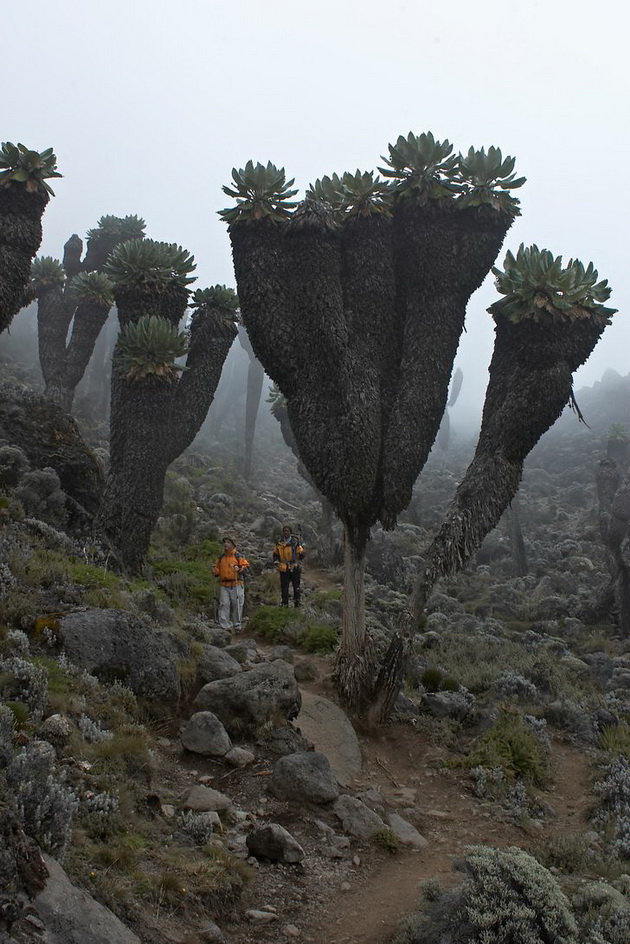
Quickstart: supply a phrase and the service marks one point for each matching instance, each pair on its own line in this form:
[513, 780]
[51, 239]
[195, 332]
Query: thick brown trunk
[255, 376]
[354, 667]
[20, 237]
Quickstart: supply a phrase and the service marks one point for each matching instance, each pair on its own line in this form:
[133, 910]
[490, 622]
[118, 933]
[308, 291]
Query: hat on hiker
[231, 540]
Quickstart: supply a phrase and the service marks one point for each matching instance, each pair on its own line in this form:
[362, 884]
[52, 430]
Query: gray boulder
[204, 734]
[71, 916]
[247, 701]
[407, 834]
[356, 818]
[274, 842]
[203, 799]
[304, 777]
[214, 663]
[50, 438]
[115, 645]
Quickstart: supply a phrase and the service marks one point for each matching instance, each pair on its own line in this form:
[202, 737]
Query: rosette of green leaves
[217, 296]
[118, 228]
[328, 192]
[276, 399]
[261, 193]
[220, 302]
[93, 287]
[46, 273]
[536, 286]
[360, 194]
[421, 168]
[19, 165]
[486, 179]
[146, 263]
[148, 348]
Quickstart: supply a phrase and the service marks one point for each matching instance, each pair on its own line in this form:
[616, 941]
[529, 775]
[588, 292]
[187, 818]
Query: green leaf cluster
[118, 228]
[537, 287]
[418, 168]
[360, 194]
[148, 347]
[486, 178]
[19, 165]
[421, 168]
[217, 296]
[94, 287]
[261, 192]
[277, 399]
[147, 263]
[46, 273]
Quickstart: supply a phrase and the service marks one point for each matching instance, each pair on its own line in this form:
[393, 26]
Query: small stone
[345, 886]
[202, 799]
[260, 917]
[291, 931]
[168, 810]
[239, 757]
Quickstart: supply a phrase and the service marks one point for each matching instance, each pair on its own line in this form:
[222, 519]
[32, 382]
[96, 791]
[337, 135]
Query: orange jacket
[287, 556]
[229, 568]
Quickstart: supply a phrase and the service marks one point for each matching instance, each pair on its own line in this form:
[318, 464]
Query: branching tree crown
[24, 195]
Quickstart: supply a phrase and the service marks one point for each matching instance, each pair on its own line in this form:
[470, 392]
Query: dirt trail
[371, 910]
[365, 905]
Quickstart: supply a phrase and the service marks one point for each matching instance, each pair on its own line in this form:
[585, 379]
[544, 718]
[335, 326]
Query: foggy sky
[148, 106]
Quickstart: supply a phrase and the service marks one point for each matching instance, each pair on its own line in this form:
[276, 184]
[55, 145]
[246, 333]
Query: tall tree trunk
[519, 554]
[153, 420]
[255, 377]
[614, 523]
[20, 237]
[354, 667]
[139, 458]
[531, 377]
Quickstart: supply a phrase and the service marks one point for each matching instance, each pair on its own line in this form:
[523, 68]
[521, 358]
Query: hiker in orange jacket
[230, 568]
[287, 555]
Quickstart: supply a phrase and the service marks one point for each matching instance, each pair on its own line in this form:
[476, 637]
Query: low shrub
[271, 622]
[319, 638]
[512, 746]
[506, 896]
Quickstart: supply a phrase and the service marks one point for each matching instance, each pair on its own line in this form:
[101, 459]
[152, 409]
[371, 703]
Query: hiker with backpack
[287, 555]
[231, 568]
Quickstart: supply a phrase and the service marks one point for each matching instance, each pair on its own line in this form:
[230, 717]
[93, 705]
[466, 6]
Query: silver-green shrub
[41, 495]
[197, 826]
[40, 797]
[7, 735]
[22, 681]
[507, 896]
[13, 464]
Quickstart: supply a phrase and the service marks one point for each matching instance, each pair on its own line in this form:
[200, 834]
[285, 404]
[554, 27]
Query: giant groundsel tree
[157, 404]
[546, 325]
[74, 299]
[354, 302]
[24, 195]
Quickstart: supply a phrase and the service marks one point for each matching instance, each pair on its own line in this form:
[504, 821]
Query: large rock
[247, 701]
[304, 777]
[50, 438]
[204, 734]
[330, 730]
[356, 818]
[215, 663]
[71, 916]
[115, 645]
[275, 843]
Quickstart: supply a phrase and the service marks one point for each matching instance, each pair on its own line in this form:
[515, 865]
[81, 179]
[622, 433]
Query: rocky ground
[498, 647]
